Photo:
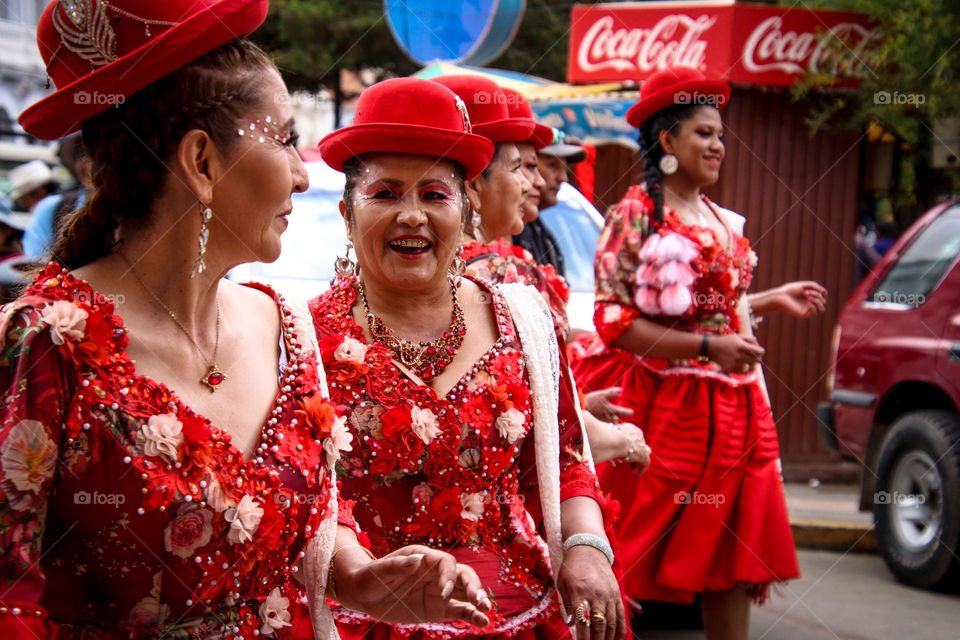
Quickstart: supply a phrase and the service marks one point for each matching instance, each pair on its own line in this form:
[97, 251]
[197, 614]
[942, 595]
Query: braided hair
[669, 120]
[129, 146]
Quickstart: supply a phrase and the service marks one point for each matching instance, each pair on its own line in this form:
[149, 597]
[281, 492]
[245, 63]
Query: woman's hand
[803, 299]
[413, 585]
[735, 353]
[633, 446]
[586, 577]
[600, 404]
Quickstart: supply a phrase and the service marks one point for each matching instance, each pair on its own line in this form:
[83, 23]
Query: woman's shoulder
[331, 311]
[732, 218]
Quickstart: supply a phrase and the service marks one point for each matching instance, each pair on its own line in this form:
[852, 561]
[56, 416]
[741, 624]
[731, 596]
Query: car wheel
[916, 507]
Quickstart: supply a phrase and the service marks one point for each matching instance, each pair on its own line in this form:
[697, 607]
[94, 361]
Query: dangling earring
[200, 265]
[669, 164]
[344, 266]
[458, 266]
[475, 221]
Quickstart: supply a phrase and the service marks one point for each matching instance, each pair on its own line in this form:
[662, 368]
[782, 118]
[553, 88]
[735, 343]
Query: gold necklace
[214, 377]
[428, 359]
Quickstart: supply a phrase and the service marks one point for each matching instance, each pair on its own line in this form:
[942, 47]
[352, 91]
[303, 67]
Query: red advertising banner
[745, 43]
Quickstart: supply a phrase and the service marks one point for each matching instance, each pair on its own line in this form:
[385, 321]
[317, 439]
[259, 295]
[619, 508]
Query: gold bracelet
[331, 589]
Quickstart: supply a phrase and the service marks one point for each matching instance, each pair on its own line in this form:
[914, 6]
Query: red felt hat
[519, 108]
[487, 106]
[677, 86]
[409, 115]
[99, 53]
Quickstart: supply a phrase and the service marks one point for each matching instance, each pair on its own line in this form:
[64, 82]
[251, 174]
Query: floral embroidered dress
[124, 514]
[502, 262]
[710, 512]
[455, 472]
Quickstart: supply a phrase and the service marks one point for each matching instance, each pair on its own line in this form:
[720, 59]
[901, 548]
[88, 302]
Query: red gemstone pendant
[214, 378]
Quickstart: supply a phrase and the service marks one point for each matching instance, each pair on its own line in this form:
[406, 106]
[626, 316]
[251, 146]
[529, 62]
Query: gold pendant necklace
[214, 376]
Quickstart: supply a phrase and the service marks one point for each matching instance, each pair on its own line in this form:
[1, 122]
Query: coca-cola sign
[756, 44]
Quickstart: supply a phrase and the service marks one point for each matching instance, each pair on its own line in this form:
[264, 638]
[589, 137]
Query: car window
[577, 235]
[923, 264]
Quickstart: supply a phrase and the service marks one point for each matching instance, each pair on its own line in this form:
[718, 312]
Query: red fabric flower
[399, 445]
[318, 413]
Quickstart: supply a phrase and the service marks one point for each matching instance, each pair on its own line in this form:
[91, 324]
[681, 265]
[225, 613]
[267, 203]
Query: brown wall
[799, 194]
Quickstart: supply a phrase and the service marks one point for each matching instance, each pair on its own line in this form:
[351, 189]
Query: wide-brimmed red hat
[487, 105]
[677, 86]
[99, 53]
[519, 108]
[409, 115]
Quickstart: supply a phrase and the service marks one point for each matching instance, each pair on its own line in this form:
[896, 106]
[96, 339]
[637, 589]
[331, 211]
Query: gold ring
[598, 617]
[581, 613]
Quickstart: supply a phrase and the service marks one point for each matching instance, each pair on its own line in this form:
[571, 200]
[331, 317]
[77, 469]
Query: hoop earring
[200, 265]
[669, 164]
[344, 266]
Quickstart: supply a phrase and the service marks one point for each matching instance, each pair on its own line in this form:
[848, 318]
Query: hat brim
[474, 152]
[568, 152]
[542, 136]
[509, 130]
[63, 112]
[18, 220]
[19, 191]
[682, 93]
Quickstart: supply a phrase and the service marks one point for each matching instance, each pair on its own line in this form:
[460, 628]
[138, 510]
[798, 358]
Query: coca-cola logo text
[842, 51]
[673, 41]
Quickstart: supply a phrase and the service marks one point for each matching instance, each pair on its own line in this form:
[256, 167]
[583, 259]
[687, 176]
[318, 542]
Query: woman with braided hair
[166, 439]
[709, 516]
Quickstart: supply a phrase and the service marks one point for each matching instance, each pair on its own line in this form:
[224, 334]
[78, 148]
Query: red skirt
[710, 512]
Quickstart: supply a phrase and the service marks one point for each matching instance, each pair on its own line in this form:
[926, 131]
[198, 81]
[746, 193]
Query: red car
[895, 399]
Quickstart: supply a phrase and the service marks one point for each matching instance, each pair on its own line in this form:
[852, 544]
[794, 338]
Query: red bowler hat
[519, 108]
[677, 86]
[487, 105]
[409, 115]
[99, 53]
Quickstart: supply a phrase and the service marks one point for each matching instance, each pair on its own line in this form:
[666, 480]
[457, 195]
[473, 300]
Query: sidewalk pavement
[826, 516]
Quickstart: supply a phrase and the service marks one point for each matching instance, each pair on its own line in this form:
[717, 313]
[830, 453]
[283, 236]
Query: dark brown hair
[129, 145]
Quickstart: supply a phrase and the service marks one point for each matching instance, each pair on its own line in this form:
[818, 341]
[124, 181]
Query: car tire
[916, 505]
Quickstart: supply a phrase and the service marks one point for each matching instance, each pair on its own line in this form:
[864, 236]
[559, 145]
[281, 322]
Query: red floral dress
[455, 472]
[502, 262]
[124, 514]
[710, 512]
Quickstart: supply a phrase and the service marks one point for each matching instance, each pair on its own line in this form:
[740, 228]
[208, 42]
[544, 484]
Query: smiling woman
[467, 436]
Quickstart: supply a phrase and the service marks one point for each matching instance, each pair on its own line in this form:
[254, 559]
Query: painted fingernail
[481, 596]
[447, 590]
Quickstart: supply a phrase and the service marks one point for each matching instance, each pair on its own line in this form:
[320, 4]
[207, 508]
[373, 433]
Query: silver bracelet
[590, 540]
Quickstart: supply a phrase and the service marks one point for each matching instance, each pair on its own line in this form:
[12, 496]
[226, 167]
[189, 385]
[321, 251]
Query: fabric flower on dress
[340, 440]
[424, 424]
[422, 494]
[675, 300]
[472, 506]
[216, 497]
[189, 531]
[161, 436]
[274, 613]
[350, 350]
[510, 425]
[149, 611]
[244, 520]
[29, 458]
[67, 321]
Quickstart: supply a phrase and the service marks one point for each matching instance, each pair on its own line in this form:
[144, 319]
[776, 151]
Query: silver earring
[475, 220]
[200, 265]
[344, 266]
[669, 164]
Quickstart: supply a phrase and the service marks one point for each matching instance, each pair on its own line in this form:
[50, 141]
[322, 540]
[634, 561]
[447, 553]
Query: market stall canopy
[593, 113]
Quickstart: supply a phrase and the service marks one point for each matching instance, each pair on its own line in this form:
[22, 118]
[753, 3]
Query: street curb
[831, 535]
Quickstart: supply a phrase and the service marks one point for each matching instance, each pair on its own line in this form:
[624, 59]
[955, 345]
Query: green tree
[912, 85]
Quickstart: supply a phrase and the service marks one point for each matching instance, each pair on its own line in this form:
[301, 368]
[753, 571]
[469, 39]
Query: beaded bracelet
[590, 540]
[331, 589]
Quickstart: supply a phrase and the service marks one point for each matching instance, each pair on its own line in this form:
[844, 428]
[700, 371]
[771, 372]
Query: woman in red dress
[466, 437]
[169, 472]
[709, 516]
[500, 201]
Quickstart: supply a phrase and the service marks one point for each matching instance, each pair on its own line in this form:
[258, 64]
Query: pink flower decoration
[510, 425]
[422, 494]
[351, 350]
[646, 300]
[67, 321]
[472, 506]
[674, 272]
[674, 246]
[646, 273]
[675, 300]
[650, 248]
[189, 531]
